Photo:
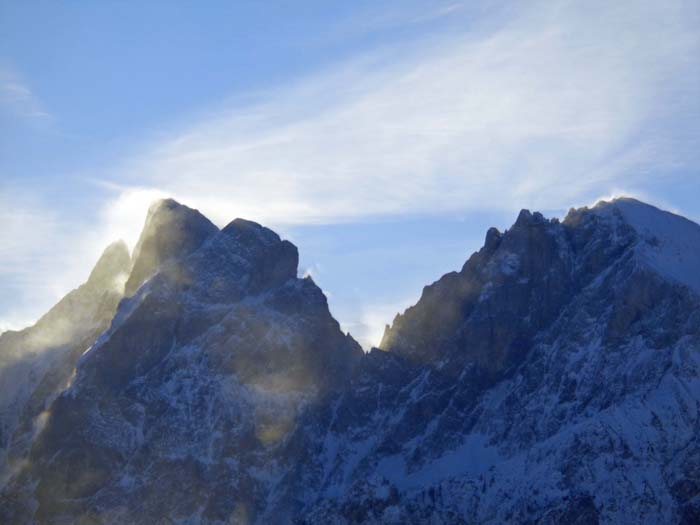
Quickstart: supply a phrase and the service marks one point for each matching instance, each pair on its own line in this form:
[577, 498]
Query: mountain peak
[554, 348]
[544, 262]
[113, 265]
[632, 209]
[251, 232]
[164, 211]
[525, 218]
[668, 242]
[171, 230]
[276, 260]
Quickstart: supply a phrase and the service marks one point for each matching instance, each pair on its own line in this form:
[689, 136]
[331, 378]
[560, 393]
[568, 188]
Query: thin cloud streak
[545, 107]
[17, 98]
[544, 112]
[31, 263]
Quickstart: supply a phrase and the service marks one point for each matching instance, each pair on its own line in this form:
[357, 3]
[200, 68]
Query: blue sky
[383, 138]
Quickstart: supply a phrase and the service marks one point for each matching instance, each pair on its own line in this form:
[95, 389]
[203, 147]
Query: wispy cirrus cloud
[542, 105]
[31, 262]
[548, 107]
[17, 98]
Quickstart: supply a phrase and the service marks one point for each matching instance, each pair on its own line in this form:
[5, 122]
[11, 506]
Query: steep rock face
[178, 408]
[36, 363]
[172, 230]
[488, 313]
[591, 416]
[554, 379]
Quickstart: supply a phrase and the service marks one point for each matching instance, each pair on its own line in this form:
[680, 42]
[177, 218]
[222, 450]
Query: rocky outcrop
[204, 371]
[171, 231]
[553, 379]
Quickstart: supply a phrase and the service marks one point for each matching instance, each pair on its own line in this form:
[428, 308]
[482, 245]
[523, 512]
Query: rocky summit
[555, 378]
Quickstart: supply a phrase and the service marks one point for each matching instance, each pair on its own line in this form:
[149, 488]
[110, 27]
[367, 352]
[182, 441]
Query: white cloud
[44, 255]
[33, 256]
[543, 107]
[545, 110]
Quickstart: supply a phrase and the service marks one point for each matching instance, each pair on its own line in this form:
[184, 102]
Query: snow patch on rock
[670, 243]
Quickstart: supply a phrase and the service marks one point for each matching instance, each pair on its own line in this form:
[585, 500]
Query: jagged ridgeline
[554, 379]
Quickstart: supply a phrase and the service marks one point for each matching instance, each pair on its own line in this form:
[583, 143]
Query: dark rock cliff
[555, 378]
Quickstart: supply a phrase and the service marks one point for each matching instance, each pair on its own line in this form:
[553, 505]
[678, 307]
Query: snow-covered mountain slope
[554, 379]
[669, 243]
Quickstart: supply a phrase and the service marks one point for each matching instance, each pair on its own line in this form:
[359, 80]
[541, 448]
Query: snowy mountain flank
[555, 378]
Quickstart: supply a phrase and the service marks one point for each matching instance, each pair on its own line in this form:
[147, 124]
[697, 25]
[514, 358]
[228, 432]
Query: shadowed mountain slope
[554, 379]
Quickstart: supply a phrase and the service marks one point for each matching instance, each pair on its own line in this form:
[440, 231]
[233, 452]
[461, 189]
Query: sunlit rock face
[171, 231]
[36, 363]
[554, 379]
[181, 404]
